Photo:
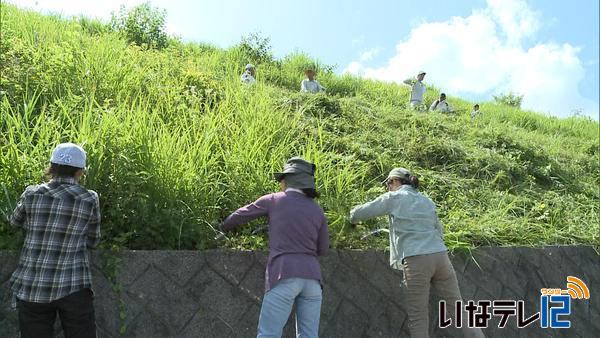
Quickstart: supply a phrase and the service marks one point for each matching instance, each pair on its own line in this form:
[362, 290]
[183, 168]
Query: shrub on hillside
[200, 88]
[256, 48]
[142, 25]
[509, 99]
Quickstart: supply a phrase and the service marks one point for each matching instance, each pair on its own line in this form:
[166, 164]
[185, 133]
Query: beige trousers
[420, 273]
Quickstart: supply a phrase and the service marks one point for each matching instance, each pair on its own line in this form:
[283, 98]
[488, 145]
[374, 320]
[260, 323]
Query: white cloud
[483, 54]
[354, 67]
[516, 19]
[368, 55]
[357, 41]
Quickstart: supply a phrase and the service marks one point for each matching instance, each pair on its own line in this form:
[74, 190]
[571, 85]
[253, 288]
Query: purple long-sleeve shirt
[297, 234]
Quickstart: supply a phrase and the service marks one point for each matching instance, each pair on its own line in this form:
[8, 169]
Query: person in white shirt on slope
[248, 75]
[417, 89]
[310, 85]
[441, 105]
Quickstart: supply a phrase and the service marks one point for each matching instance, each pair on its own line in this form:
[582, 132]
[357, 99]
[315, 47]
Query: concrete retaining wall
[218, 293]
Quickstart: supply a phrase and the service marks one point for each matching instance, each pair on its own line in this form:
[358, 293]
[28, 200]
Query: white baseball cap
[249, 66]
[398, 173]
[69, 154]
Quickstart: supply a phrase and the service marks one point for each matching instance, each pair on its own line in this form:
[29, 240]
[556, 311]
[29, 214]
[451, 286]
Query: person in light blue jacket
[416, 247]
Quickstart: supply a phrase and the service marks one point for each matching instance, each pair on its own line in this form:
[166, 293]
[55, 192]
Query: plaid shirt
[61, 220]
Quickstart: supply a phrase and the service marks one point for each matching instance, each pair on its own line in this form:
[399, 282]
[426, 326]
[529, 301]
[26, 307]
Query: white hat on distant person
[69, 154]
[421, 72]
[249, 66]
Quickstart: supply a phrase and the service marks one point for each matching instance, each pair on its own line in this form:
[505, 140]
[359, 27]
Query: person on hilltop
[61, 221]
[248, 76]
[441, 105]
[416, 247]
[310, 85]
[417, 89]
[298, 233]
[475, 111]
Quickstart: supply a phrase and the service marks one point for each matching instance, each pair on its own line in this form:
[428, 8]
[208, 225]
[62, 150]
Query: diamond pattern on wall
[218, 293]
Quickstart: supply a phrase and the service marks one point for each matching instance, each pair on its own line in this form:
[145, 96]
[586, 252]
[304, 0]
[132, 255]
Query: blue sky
[545, 50]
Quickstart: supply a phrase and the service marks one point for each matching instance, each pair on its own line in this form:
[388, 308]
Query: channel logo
[555, 304]
[555, 307]
[577, 288]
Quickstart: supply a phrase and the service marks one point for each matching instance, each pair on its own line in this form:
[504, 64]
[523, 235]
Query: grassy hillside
[175, 142]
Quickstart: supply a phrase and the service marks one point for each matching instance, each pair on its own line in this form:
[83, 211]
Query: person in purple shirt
[298, 233]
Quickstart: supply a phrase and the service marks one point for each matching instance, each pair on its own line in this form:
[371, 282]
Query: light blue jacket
[415, 228]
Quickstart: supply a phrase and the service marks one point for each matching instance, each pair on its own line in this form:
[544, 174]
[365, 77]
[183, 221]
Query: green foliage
[111, 265]
[175, 143]
[93, 26]
[509, 99]
[142, 25]
[256, 48]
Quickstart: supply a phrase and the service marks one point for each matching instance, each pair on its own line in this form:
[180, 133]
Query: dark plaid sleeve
[17, 218]
[94, 226]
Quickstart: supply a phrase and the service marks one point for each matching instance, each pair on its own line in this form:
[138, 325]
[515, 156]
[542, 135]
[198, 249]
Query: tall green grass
[175, 143]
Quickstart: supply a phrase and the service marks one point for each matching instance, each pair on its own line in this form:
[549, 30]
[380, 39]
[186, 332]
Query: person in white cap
[441, 105]
[310, 85]
[248, 75]
[61, 221]
[417, 89]
[416, 247]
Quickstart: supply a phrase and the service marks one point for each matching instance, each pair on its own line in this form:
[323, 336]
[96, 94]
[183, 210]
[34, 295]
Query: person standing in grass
[417, 89]
[248, 75]
[310, 85]
[298, 233]
[61, 221]
[416, 246]
[475, 111]
[441, 105]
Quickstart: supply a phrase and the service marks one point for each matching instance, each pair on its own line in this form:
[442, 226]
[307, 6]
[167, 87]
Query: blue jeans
[278, 302]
